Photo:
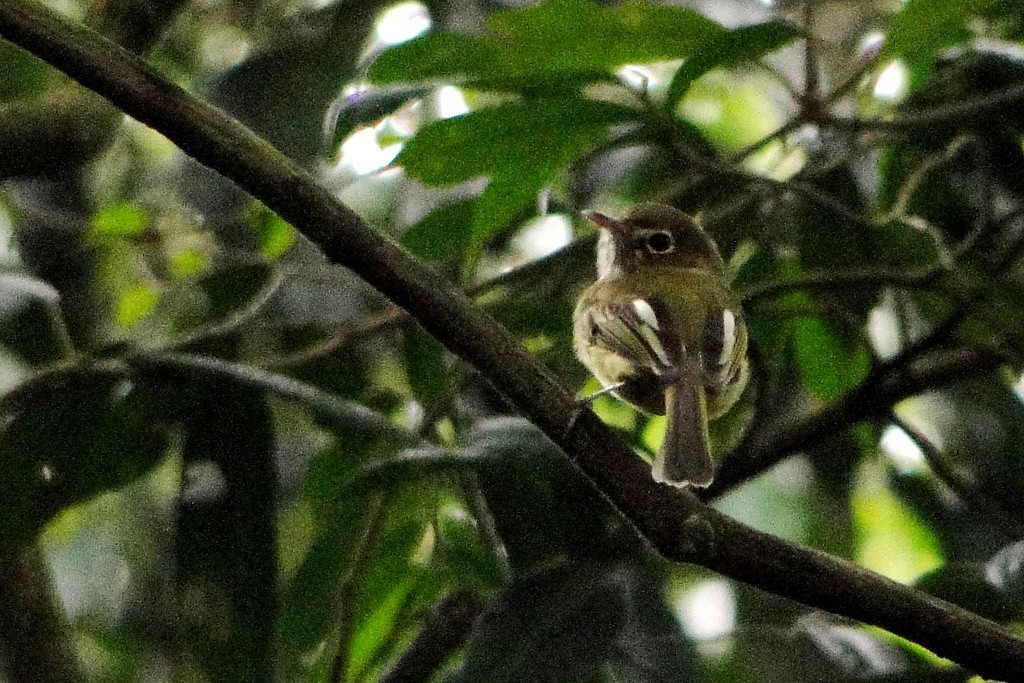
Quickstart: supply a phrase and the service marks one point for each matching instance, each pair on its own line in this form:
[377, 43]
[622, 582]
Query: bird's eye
[660, 242]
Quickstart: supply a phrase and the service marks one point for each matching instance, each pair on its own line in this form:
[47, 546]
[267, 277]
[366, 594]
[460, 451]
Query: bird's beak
[600, 220]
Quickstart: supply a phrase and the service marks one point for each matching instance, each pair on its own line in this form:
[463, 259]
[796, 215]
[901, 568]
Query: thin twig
[348, 591]
[961, 112]
[236, 319]
[810, 99]
[868, 278]
[962, 486]
[486, 524]
[186, 367]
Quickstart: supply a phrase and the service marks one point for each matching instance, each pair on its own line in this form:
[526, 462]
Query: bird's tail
[685, 454]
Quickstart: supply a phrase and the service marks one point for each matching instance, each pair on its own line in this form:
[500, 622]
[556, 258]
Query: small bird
[661, 329]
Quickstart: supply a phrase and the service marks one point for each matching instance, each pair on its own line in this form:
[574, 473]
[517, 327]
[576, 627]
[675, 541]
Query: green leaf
[117, 222]
[426, 364]
[923, 28]
[443, 233]
[462, 557]
[24, 74]
[341, 512]
[135, 304]
[278, 238]
[520, 145]
[308, 611]
[390, 580]
[511, 192]
[554, 42]
[480, 143]
[580, 36]
[188, 263]
[827, 365]
[891, 539]
[743, 44]
[435, 56]
[274, 234]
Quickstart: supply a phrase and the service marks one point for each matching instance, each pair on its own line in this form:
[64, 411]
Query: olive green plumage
[661, 328]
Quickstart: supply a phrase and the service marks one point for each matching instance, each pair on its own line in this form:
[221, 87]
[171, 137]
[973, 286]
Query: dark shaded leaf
[231, 289]
[578, 522]
[903, 245]
[31, 322]
[965, 534]
[283, 92]
[445, 629]
[966, 584]
[364, 108]
[1005, 573]
[559, 41]
[923, 28]
[994, 130]
[818, 649]
[71, 440]
[226, 540]
[555, 626]
[652, 647]
[729, 49]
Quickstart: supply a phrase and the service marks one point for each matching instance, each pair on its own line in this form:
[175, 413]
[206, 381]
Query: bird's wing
[638, 330]
[723, 345]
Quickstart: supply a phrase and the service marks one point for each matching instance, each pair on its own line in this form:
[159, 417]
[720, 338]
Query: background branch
[35, 639]
[70, 125]
[673, 521]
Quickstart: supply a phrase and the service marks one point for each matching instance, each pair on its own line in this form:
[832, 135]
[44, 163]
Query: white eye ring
[659, 242]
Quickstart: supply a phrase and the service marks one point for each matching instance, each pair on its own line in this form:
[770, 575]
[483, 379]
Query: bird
[661, 329]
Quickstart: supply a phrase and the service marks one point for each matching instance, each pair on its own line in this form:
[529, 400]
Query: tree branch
[961, 112]
[906, 375]
[35, 639]
[673, 521]
[444, 632]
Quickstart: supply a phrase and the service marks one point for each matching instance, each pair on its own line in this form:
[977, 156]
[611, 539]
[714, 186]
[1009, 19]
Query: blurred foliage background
[222, 459]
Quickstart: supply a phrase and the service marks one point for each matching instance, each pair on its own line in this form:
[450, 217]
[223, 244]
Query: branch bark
[677, 524]
[35, 638]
